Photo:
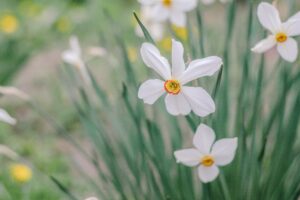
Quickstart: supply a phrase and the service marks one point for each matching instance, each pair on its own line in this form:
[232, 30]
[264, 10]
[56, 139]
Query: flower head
[207, 154]
[9, 24]
[180, 99]
[73, 57]
[20, 173]
[162, 10]
[280, 33]
[155, 28]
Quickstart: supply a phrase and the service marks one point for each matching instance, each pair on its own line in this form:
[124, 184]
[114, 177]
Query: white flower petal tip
[91, 198]
[269, 17]
[12, 91]
[264, 45]
[6, 151]
[5, 117]
[208, 155]
[151, 90]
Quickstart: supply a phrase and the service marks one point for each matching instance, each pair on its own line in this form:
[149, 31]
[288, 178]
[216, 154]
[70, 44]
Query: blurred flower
[91, 198]
[207, 155]
[180, 32]
[156, 29]
[97, 51]
[73, 57]
[20, 173]
[166, 44]
[6, 151]
[180, 99]
[12, 91]
[281, 33]
[132, 54]
[9, 24]
[5, 117]
[63, 25]
[162, 10]
[30, 8]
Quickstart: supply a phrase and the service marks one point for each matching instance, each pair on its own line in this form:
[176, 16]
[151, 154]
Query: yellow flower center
[281, 37]
[172, 86]
[9, 24]
[207, 161]
[167, 3]
[180, 32]
[20, 173]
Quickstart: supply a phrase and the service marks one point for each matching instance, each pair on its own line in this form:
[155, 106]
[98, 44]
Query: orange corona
[207, 161]
[172, 86]
[167, 3]
[281, 37]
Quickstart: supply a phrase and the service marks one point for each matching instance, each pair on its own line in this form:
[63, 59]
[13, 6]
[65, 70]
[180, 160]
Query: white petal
[178, 18]
[74, 44]
[223, 151]
[201, 102]
[207, 2]
[70, 57]
[184, 5]
[177, 104]
[160, 13]
[292, 27]
[5, 117]
[152, 58]
[188, 157]
[178, 65]
[264, 45]
[201, 67]
[208, 174]
[295, 17]
[151, 90]
[269, 17]
[204, 138]
[288, 50]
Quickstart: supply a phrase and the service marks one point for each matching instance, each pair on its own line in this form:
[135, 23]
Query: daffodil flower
[175, 10]
[156, 29]
[5, 117]
[281, 33]
[208, 155]
[180, 99]
[73, 57]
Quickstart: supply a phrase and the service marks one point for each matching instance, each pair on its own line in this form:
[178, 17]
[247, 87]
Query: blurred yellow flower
[180, 32]
[63, 25]
[166, 44]
[132, 54]
[20, 173]
[9, 24]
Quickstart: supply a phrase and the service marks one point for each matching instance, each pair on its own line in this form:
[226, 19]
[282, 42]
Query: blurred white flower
[207, 155]
[156, 29]
[97, 51]
[281, 33]
[180, 99]
[91, 198]
[73, 57]
[5, 117]
[6, 151]
[175, 10]
[12, 91]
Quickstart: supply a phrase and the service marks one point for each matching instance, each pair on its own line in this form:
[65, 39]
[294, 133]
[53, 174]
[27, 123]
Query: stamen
[167, 3]
[281, 37]
[207, 161]
[172, 87]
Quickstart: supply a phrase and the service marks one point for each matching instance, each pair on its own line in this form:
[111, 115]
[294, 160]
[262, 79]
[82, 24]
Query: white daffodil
[180, 99]
[207, 155]
[175, 10]
[73, 57]
[281, 33]
[5, 117]
[156, 29]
